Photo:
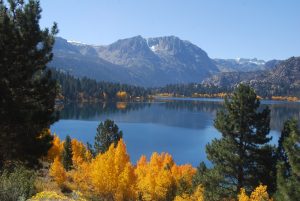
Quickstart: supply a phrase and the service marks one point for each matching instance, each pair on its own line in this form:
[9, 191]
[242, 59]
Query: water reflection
[176, 113]
[179, 127]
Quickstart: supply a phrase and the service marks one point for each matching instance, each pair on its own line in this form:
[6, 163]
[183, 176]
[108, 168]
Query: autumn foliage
[58, 172]
[122, 95]
[111, 176]
[55, 150]
[259, 194]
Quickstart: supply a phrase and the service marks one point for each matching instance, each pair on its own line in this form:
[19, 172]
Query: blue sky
[265, 29]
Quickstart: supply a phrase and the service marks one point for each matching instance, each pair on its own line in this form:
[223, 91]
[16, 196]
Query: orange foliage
[121, 95]
[259, 194]
[216, 95]
[55, 150]
[159, 177]
[198, 195]
[112, 174]
[285, 98]
[58, 172]
[80, 153]
[121, 105]
[185, 172]
[81, 177]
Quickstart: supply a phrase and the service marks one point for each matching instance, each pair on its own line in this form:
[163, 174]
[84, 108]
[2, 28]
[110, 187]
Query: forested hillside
[88, 90]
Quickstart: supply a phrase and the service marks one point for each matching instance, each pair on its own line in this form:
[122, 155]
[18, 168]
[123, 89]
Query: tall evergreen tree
[107, 134]
[27, 91]
[241, 157]
[67, 154]
[288, 166]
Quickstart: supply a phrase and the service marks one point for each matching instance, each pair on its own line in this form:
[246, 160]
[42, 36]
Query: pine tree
[107, 134]
[27, 90]
[241, 157]
[288, 166]
[90, 149]
[67, 154]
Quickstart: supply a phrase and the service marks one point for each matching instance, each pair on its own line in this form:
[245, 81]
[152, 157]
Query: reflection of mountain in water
[180, 113]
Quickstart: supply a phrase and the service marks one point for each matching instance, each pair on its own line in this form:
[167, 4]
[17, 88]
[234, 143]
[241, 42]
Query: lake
[181, 127]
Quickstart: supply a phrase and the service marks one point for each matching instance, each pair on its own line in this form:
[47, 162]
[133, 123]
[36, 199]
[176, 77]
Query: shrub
[16, 185]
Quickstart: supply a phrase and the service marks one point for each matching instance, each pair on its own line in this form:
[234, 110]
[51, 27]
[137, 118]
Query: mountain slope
[240, 65]
[82, 60]
[146, 62]
[283, 79]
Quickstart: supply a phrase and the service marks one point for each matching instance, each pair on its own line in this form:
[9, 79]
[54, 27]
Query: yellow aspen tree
[121, 95]
[80, 153]
[198, 195]
[183, 172]
[58, 172]
[260, 194]
[154, 178]
[82, 178]
[112, 174]
[55, 150]
[243, 196]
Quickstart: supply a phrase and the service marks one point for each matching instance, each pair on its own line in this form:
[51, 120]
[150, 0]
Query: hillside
[283, 79]
[139, 61]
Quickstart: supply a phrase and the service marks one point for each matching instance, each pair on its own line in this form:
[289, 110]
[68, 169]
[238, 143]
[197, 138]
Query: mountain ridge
[148, 62]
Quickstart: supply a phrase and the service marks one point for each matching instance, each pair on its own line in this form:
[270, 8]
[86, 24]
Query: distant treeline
[89, 90]
[264, 90]
[192, 89]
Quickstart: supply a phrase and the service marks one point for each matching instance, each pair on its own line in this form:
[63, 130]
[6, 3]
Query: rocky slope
[283, 79]
[136, 60]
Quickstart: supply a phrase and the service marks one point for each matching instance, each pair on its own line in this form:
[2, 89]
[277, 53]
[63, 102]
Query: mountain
[137, 60]
[283, 79]
[82, 60]
[231, 79]
[286, 72]
[240, 65]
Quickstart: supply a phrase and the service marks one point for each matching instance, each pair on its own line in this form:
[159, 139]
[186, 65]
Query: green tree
[288, 166]
[27, 90]
[107, 134]
[67, 154]
[241, 157]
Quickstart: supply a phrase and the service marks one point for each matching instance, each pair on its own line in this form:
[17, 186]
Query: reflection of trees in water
[279, 112]
[195, 106]
[170, 114]
[282, 112]
[91, 111]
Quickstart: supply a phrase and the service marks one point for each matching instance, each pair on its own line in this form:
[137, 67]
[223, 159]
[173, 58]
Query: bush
[54, 196]
[16, 185]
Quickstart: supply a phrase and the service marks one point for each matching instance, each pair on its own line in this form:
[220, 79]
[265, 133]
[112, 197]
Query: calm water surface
[180, 127]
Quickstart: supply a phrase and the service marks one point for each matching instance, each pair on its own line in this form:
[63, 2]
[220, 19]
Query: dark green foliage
[189, 89]
[288, 166]
[288, 127]
[27, 90]
[201, 170]
[107, 134]
[241, 157]
[16, 184]
[85, 89]
[184, 187]
[90, 149]
[67, 154]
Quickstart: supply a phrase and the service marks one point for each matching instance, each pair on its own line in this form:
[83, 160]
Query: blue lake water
[180, 127]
